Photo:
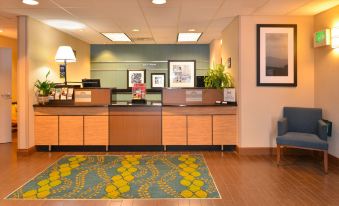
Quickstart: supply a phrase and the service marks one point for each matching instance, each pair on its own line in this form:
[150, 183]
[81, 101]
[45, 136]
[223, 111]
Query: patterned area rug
[122, 177]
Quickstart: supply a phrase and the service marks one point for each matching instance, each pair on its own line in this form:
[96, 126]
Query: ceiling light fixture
[191, 30]
[188, 37]
[64, 24]
[135, 30]
[159, 1]
[30, 2]
[122, 37]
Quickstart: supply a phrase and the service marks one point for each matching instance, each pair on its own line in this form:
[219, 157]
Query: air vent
[142, 39]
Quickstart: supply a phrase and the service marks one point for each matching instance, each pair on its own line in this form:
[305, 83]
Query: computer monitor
[86, 83]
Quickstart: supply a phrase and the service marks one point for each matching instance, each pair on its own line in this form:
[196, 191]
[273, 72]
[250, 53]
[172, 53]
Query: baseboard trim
[25, 152]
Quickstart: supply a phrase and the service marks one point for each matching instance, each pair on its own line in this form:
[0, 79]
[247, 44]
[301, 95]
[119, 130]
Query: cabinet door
[96, 130]
[135, 130]
[224, 130]
[199, 130]
[174, 130]
[71, 130]
[46, 130]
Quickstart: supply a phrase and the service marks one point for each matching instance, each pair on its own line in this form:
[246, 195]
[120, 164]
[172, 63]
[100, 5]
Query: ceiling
[158, 24]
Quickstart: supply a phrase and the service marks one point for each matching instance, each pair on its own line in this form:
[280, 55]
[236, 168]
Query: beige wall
[42, 43]
[261, 107]
[230, 48]
[215, 52]
[327, 77]
[11, 43]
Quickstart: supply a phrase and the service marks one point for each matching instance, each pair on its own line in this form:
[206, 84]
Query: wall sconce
[335, 37]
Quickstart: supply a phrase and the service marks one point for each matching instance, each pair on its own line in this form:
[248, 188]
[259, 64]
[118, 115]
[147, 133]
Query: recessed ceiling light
[64, 24]
[184, 37]
[117, 36]
[30, 2]
[135, 30]
[159, 1]
[190, 30]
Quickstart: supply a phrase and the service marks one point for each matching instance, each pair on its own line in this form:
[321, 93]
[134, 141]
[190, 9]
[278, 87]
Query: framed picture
[277, 55]
[62, 71]
[136, 77]
[158, 80]
[181, 73]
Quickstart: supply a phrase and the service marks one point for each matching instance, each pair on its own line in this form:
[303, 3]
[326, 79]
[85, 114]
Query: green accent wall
[110, 63]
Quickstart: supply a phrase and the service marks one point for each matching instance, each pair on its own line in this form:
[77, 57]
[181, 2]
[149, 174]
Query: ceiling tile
[232, 8]
[315, 7]
[278, 7]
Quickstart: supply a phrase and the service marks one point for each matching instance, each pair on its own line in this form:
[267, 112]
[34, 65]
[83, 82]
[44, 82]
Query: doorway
[5, 95]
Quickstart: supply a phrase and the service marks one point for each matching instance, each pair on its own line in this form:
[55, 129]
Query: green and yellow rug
[122, 177]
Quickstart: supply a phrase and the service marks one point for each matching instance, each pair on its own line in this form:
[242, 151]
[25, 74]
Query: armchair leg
[326, 161]
[278, 154]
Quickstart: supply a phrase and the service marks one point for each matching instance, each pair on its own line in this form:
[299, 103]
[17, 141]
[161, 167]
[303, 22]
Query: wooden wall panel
[135, 130]
[71, 130]
[46, 130]
[174, 131]
[224, 130]
[199, 130]
[95, 130]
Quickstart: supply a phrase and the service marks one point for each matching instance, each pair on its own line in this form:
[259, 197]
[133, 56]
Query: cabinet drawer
[46, 130]
[71, 130]
[224, 130]
[96, 130]
[199, 130]
[174, 131]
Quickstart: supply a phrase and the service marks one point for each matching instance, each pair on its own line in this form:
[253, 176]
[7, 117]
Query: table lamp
[65, 54]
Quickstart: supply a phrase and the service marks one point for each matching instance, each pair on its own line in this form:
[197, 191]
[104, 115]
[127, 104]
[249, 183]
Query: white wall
[327, 77]
[261, 107]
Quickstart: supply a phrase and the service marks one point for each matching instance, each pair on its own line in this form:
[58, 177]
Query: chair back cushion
[302, 119]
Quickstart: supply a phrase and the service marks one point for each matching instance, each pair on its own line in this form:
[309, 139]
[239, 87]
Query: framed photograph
[158, 80]
[181, 73]
[277, 55]
[136, 77]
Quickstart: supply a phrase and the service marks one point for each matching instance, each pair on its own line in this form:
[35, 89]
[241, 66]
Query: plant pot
[43, 99]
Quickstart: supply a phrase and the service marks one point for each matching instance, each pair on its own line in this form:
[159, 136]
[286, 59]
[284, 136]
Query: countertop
[129, 104]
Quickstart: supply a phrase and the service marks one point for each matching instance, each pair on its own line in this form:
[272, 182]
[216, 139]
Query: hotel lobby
[169, 102]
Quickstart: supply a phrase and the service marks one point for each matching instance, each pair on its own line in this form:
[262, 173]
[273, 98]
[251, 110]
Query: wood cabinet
[71, 130]
[224, 130]
[174, 130]
[46, 130]
[96, 130]
[199, 130]
[138, 125]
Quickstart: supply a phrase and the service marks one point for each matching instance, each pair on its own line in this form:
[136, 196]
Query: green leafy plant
[44, 87]
[218, 78]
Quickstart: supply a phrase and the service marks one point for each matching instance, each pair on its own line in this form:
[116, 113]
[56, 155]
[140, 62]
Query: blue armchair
[303, 128]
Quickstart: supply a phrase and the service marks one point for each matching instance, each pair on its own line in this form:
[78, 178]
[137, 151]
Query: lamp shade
[65, 54]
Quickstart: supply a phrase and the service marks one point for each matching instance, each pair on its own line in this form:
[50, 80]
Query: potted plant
[44, 89]
[219, 79]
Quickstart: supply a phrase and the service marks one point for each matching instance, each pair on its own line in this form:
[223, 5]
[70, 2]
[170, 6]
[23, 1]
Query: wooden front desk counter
[123, 124]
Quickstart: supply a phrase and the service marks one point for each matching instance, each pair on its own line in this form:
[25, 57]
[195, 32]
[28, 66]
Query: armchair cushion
[303, 119]
[322, 130]
[282, 126]
[302, 140]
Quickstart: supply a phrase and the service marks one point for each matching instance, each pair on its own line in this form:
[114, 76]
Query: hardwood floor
[241, 180]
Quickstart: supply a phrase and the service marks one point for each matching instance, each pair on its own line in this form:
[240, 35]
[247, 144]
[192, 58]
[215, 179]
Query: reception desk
[122, 124]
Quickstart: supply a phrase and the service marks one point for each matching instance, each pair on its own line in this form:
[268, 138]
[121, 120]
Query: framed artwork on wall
[181, 73]
[158, 80]
[277, 55]
[136, 77]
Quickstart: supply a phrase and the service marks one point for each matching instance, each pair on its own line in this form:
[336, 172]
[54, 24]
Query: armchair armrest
[282, 126]
[322, 130]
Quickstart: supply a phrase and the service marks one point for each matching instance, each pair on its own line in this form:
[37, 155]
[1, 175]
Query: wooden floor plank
[241, 180]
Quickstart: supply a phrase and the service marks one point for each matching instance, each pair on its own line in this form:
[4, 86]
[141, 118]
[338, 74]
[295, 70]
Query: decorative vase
[43, 99]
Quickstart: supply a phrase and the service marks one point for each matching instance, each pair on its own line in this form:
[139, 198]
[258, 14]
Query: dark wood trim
[294, 26]
[26, 152]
